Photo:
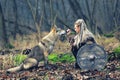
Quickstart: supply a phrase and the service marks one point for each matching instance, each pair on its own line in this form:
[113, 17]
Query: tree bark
[3, 35]
[16, 28]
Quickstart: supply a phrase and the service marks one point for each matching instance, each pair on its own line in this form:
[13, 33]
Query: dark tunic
[75, 49]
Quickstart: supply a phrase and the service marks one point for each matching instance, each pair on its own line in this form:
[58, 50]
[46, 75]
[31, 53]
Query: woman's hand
[68, 31]
[71, 40]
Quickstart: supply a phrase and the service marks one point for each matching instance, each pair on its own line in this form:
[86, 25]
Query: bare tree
[45, 13]
[77, 9]
[34, 15]
[91, 15]
[115, 13]
[16, 18]
[3, 35]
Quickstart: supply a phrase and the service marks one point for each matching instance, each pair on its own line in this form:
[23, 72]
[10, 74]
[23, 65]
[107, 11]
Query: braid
[84, 32]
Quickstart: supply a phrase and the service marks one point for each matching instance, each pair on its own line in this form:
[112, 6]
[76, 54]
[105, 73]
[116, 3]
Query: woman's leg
[75, 55]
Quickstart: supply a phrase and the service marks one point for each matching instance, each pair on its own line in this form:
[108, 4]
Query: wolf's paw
[47, 67]
[50, 67]
[7, 72]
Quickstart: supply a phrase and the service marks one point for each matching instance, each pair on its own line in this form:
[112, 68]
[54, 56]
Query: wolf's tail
[15, 69]
[27, 64]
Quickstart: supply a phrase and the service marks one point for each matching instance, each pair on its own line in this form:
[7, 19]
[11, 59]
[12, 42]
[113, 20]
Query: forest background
[21, 17]
[24, 22]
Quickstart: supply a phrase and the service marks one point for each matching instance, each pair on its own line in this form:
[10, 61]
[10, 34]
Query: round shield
[91, 57]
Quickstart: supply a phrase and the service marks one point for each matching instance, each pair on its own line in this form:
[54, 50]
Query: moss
[18, 59]
[117, 52]
[53, 58]
[109, 35]
[63, 58]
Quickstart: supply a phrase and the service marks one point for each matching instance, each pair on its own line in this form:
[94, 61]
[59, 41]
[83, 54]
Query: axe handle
[65, 24]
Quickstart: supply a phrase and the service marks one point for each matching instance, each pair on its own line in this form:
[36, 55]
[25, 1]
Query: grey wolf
[41, 51]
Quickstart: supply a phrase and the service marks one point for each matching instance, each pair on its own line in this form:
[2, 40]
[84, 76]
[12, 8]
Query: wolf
[41, 51]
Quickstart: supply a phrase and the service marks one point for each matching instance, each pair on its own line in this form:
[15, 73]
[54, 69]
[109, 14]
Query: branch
[25, 26]
[65, 24]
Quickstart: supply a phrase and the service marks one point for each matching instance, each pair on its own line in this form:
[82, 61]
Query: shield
[91, 57]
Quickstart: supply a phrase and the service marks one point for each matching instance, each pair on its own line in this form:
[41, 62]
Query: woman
[83, 36]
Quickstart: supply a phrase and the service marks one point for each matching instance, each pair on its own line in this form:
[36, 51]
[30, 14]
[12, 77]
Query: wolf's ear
[53, 28]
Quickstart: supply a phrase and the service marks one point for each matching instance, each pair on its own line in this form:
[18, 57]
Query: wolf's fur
[40, 51]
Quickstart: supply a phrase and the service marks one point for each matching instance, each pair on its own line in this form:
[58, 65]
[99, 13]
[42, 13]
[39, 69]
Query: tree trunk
[16, 18]
[3, 37]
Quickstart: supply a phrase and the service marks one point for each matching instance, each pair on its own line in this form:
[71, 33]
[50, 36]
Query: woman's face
[77, 28]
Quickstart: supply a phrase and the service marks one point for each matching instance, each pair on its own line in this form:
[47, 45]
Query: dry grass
[28, 41]
[6, 62]
[108, 43]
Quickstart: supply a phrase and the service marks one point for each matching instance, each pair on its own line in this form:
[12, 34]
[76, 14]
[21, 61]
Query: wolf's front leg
[46, 59]
[30, 63]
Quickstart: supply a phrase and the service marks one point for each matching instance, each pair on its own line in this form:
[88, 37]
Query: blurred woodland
[24, 22]
[21, 17]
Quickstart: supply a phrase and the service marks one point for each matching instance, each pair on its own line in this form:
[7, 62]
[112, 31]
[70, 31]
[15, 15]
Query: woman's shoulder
[89, 38]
